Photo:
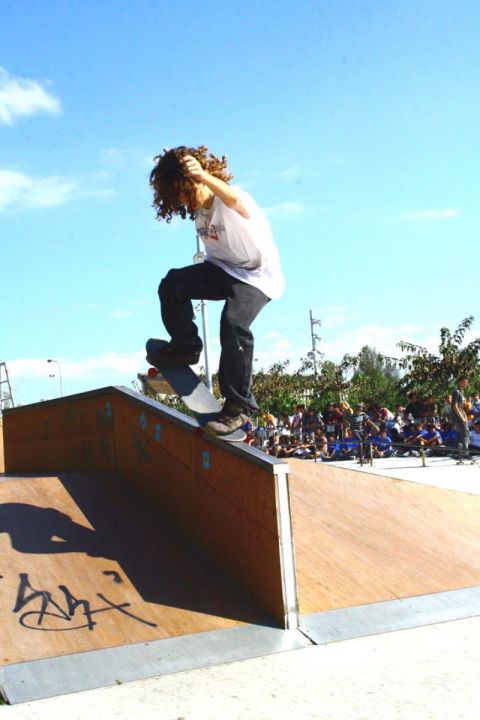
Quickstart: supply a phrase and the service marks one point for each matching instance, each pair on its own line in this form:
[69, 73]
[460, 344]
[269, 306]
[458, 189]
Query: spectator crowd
[341, 432]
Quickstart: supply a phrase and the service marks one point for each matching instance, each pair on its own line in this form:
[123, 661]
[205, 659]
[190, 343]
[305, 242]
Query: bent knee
[169, 283]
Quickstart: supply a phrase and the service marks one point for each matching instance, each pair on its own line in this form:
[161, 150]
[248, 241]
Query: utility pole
[6, 396]
[315, 337]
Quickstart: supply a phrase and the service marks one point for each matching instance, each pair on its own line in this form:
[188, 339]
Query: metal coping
[254, 455]
[287, 552]
[391, 615]
[49, 677]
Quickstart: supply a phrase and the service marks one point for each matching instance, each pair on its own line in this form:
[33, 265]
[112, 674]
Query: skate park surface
[118, 603]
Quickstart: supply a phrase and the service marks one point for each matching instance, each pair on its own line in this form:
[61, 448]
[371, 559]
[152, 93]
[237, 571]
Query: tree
[427, 373]
[376, 379]
[278, 391]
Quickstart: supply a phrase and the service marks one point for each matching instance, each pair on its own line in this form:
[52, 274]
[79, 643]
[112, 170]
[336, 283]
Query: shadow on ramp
[86, 565]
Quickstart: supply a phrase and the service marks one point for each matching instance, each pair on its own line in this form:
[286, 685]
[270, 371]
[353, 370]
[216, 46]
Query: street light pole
[59, 374]
[199, 257]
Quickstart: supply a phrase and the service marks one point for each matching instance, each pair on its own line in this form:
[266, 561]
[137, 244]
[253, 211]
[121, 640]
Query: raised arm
[221, 189]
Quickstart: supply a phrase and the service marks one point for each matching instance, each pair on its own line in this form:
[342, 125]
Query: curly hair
[168, 178]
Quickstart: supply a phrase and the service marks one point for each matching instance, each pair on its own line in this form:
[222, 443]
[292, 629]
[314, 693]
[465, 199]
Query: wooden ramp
[364, 538]
[132, 545]
[86, 565]
[229, 499]
[123, 528]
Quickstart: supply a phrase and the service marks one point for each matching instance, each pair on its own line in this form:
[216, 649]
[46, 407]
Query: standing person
[430, 410]
[242, 268]
[414, 408]
[310, 424]
[270, 425]
[297, 422]
[329, 418]
[285, 425]
[359, 421]
[447, 408]
[459, 416]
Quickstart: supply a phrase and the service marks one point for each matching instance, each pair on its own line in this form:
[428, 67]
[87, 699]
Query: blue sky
[354, 124]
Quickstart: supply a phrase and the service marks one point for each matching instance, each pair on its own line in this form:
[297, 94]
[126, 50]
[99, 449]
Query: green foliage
[376, 379]
[276, 390]
[427, 373]
[367, 377]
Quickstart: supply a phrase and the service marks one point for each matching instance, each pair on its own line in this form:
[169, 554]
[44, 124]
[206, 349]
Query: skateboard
[191, 389]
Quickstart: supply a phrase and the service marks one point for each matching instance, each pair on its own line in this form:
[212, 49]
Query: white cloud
[426, 215]
[275, 347]
[334, 315]
[93, 368]
[19, 191]
[20, 97]
[120, 314]
[290, 172]
[383, 338]
[285, 209]
[293, 171]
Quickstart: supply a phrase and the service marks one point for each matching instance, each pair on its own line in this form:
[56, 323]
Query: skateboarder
[242, 268]
[459, 416]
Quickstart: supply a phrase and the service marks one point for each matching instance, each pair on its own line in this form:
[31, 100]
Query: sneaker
[171, 356]
[233, 417]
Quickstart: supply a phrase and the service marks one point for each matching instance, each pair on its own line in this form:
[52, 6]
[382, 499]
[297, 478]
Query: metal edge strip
[391, 615]
[287, 549]
[241, 449]
[49, 677]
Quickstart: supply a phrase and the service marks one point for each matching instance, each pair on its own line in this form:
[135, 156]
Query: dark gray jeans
[243, 302]
[463, 434]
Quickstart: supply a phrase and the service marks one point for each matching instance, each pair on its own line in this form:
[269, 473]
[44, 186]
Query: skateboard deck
[191, 389]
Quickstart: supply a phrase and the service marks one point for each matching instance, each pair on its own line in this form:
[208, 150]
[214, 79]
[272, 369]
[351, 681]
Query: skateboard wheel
[152, 373]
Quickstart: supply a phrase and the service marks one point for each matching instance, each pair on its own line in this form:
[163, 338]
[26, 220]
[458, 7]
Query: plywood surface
[84, 565]
[223, 499]
[363, 538]
[225, 503]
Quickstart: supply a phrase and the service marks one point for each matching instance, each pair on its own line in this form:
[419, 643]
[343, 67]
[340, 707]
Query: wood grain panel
[227, 506]
[73, 546]
[363, 538]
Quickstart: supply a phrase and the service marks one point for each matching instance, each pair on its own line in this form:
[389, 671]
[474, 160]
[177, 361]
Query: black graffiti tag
[48, 607]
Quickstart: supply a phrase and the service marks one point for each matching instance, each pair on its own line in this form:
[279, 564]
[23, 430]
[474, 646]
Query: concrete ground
[418, 674]
[441, 472]
[425, 673]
